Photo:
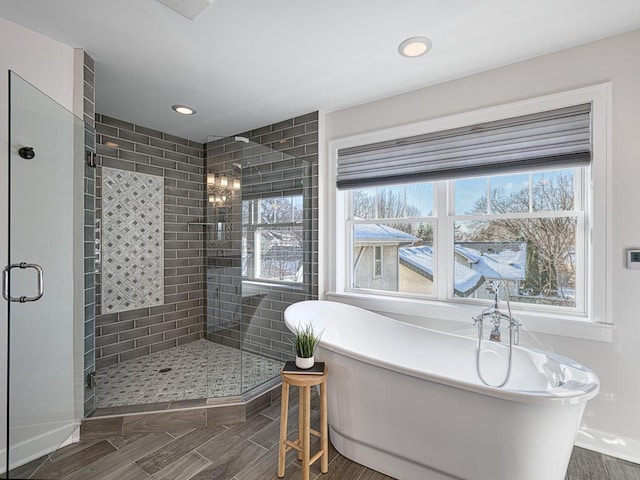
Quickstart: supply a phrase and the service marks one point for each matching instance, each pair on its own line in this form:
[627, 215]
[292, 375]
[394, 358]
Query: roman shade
[555, 138]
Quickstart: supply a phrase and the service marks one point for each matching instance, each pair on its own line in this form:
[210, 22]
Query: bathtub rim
[584, 387]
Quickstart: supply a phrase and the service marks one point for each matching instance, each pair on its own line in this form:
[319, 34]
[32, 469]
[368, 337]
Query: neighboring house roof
[281, 264]
[420, 260]
[495, 260]
[293, 252]
[282, 256]
[374, 233]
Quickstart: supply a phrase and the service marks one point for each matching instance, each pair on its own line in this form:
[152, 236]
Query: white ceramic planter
[304, 363]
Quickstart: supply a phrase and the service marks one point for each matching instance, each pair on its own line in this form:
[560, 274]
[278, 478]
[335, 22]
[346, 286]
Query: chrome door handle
[23, 266]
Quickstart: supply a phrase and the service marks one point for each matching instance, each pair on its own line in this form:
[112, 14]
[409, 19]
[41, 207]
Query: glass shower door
[42, 279]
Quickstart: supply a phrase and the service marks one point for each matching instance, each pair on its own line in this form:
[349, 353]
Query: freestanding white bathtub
[407, 401]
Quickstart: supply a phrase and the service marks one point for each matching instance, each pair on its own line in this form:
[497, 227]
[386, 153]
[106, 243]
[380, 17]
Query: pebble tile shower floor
[200, 369]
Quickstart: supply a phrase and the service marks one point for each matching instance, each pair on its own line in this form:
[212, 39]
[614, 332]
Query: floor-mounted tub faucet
[496, 317]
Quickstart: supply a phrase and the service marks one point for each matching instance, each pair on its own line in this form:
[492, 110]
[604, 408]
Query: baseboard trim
[39, 446]
[617, 446]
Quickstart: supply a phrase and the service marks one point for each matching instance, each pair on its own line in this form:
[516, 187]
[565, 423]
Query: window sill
[457, 318]
[286, 286]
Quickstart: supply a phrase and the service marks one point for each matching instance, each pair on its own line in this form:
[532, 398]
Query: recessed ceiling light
[414, 46]
[183, 109]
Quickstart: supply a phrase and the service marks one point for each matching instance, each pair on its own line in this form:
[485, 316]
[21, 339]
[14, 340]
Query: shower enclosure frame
[44, 384]
[245, 310]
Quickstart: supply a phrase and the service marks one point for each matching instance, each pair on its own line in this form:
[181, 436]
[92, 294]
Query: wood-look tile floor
[243, 451]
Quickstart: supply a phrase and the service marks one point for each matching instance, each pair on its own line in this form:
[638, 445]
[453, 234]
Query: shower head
[255, 167]
[237, 165]
[241, 139]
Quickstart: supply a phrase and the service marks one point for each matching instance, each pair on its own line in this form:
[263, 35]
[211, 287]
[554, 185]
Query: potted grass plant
[305, 342]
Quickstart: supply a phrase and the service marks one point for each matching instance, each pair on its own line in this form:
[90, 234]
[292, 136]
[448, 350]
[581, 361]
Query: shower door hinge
[91, 379]
[91, 159]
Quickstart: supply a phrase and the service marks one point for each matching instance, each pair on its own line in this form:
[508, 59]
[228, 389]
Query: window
[377, 261]
[533, 215]
[394, 218]
[523, 229]
[520, 228]
[273, 234]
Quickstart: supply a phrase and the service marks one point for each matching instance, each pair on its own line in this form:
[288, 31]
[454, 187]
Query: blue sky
[468, 190]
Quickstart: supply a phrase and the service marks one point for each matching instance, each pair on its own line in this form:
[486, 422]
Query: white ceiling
[243, 64]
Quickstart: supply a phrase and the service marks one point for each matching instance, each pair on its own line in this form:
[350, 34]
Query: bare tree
[390, 203]
[276, 210]
[550, 241]
[281, 245]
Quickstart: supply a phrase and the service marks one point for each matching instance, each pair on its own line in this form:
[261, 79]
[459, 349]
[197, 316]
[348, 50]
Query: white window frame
[447, 221]
[593, 321]
[253, 228]
[378, 221]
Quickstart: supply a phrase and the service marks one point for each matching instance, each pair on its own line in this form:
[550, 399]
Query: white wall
[49, 66]
[611, 423]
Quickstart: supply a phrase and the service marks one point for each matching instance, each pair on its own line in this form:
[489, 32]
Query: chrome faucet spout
[494, 336]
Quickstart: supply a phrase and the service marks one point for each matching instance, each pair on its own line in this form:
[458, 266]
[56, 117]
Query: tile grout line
[258, 445]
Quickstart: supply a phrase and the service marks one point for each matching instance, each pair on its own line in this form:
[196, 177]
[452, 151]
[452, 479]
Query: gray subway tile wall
[130, 334]
[204, 292]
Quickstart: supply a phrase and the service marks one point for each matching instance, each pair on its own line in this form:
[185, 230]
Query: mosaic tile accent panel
[132, 267]
[179, 162]
[200, 369]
